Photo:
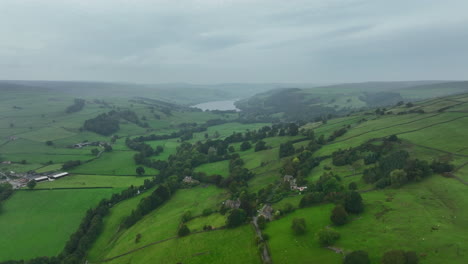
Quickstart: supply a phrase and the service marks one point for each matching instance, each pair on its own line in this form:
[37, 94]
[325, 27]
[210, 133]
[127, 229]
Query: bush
[183, 230]
[353, 203]
[394, 257]
[357, 257]
[352, 186]
[327, 237]
[236, 218]
[339, 215]
[298, 226]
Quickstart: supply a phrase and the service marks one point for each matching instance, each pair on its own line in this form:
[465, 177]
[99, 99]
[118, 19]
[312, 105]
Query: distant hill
[319, 102]
[181, 93]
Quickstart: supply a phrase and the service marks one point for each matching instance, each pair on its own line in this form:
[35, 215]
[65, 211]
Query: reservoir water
[218, 105]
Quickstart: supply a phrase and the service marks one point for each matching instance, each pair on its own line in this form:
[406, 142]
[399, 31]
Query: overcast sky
[214, 41]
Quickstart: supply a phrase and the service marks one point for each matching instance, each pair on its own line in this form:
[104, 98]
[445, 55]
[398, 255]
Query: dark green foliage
[31, 184]
[353, 203]
[245, 146]
[344, 157]
[327, 237]
[298, 226]
[357, 257]
[49, 143]
[441, 167]
[417, 169]
[103, 124]
[393, 138]
[236, 218]
[5, 191]
[339, 216]
[71, 164]
[398, 178]
[261, 145]
[187, 216]
[411, 257]
[137, 238]
[95, 151]
[352, 186]
[286, 149]
[261, 222]
[311, 198]
[76, 106]
[183, 230]
[394, 257]
[140, 171]
[107, 148]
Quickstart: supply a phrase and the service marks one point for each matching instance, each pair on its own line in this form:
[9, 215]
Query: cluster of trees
[148, 204]
[71, 164]
[5, 191]
[397, 169]
[351, 204]
[328, 188]
[286, 149]
[301, 164]
[369, 152]
[109, 123]
[77, 105]
[337, 133]
[104, 124]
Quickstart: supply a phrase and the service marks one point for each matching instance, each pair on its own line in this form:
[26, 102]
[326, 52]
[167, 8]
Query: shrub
[298, 226]
[357, 257]
[339, 215]
[353, 203]
[183, 230]
[327, 237]
[236, 218]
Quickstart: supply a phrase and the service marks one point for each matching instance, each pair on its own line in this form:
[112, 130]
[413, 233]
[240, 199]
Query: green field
[42, 221]
[113, 163]
[163, 222]
[81, 181]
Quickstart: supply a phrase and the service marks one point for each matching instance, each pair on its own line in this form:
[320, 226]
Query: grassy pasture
[404, 218]
[79, 181]
[164, 221]
[237, 246]
[215, 220]
[220, 168]
[289, 248]
[112, 224]
[112, 163]
[49, 217]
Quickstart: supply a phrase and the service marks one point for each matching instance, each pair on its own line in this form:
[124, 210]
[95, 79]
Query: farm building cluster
[293, 184]
[51, 177]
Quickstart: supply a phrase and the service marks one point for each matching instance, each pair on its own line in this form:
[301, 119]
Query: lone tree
[183, 230]
[31, 184]
[49, 143]
[327, 237]
[339, 215]
[353, 203]
[95, 151]
[298, 226]
[400, 257]
[394, 257]
[245, 146]
[140, 171]
[357, 257]
[236, 218]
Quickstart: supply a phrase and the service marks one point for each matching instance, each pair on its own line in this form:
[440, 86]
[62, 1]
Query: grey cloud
[233, 41]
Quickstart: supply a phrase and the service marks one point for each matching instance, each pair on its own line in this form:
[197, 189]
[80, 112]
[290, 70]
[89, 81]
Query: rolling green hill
[408, 162]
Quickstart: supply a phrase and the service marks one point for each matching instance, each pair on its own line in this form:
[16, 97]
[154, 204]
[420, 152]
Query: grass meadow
[38, 223]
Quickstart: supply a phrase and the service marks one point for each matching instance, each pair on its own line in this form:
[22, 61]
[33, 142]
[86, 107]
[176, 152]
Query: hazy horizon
[215, 41]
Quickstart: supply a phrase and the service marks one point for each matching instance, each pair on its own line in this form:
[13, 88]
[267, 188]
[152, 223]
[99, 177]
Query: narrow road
[266, 259]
